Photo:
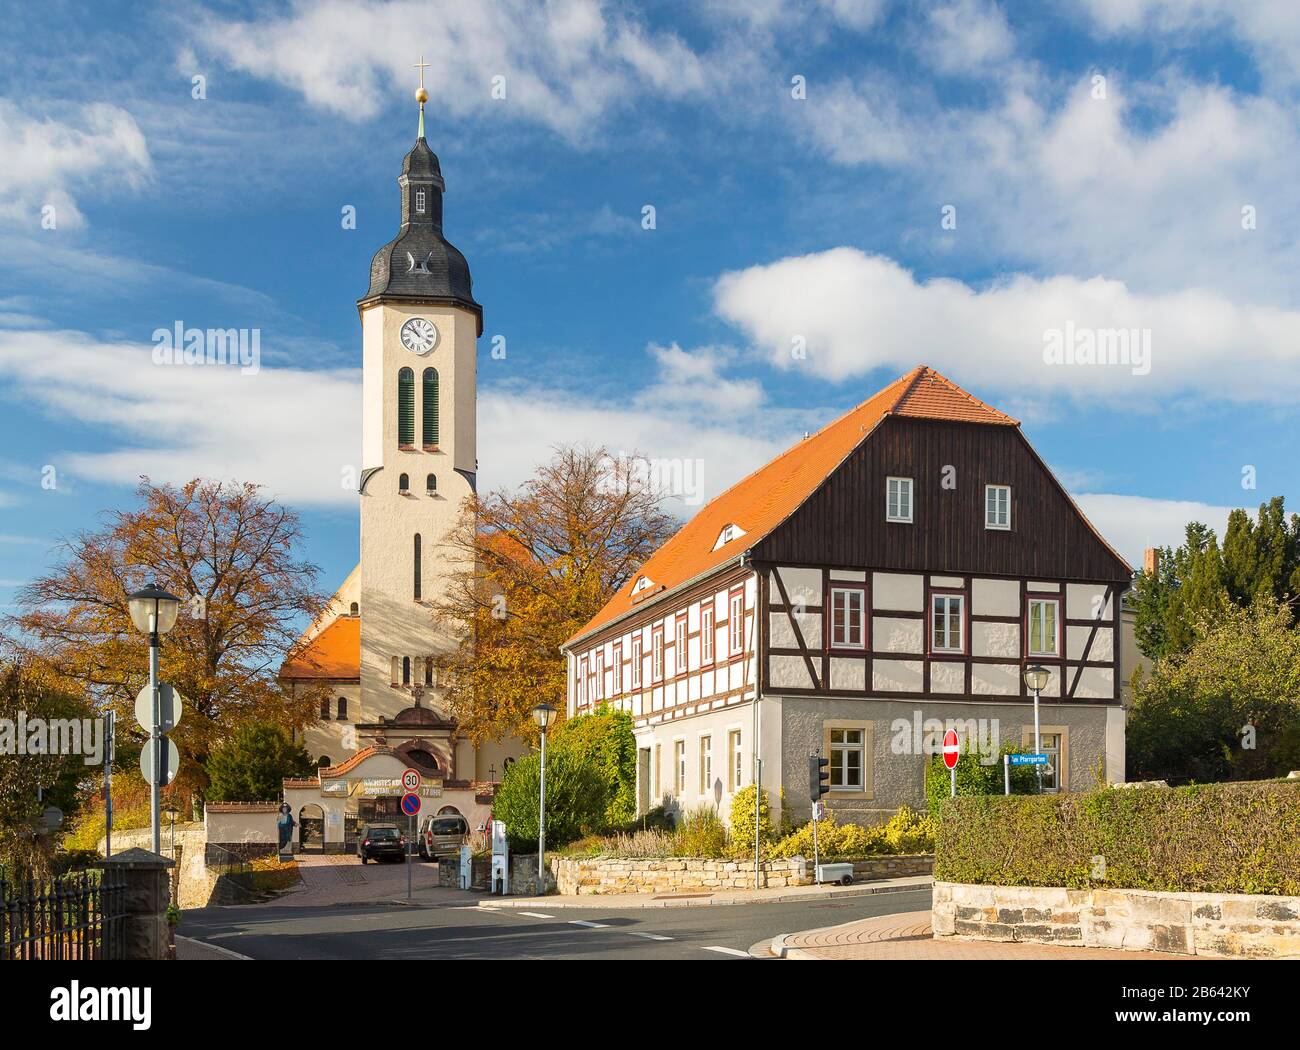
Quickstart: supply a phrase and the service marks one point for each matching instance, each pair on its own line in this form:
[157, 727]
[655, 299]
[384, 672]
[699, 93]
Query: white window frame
[616, 670]
[847, 643]
[737, 759]
[636, 661]
[1000, 519]
[945, 597]
[706, 764]
[846, 747]
[657, 654]
[904, 485]
[707, 634]
[679, 758]
[600, 674]
[1055, 651]
[680, 660]
[582, 682]
[736, 623]
[419, 202]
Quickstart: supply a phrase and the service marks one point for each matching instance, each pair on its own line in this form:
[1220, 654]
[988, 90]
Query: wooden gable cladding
[843, 521]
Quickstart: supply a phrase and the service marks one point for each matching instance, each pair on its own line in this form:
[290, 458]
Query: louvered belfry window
[429, 406]
[406, 407]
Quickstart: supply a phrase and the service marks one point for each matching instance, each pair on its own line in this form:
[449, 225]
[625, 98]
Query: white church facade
[374, 647]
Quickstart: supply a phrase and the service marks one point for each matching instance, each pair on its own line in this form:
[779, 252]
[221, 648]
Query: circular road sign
[411, 780]
[951, 751]
[410, 804]
[169, 708]
[173, 760]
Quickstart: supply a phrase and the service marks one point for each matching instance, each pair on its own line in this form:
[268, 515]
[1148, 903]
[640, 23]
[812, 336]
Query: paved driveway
[340, 878]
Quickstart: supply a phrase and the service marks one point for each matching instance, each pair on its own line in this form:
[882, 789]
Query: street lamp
[543, 715]
[1036, 679]
[154, 612]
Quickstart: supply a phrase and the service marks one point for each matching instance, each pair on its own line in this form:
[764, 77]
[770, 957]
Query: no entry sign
[951, 752]
[410, 804]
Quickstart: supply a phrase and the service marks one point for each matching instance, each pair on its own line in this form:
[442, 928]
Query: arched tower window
[406, 670]
[429, 407]
[354, 609]
[406, 408]
[417, 567]
[431, 484]
[428, 670]
[403, 485]
[393, 678]
[325, 709]
[324, 761]
[343, 709]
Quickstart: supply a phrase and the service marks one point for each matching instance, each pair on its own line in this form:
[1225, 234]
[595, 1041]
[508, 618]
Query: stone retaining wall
[583, 875]
[1218, 924]
[892, 867]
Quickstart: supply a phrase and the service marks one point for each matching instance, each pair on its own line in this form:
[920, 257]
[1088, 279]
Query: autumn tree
[538, 563]
[230, 553]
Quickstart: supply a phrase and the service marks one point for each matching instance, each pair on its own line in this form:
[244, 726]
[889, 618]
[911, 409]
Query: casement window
[706, 634]
[898, 499]
[997, 506]
[680, 750]
[616, 672]
[599, 692]
[736, 623]
[657, 654]
[1044, 627]
[406, 408]
[706, 764]
[736, 770]
[848, 623]
[679, 645]
[429, 408]
[419, 201]
[848, 757]
[636, 661]
[1056, 746]
[580, 686]
[947, 623]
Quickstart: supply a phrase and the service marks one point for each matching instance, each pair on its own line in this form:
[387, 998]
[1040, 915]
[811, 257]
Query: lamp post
[1036, 679]
[543, 715]
[154, 612]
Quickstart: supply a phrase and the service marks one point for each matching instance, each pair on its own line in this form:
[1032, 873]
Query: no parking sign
[410, 804]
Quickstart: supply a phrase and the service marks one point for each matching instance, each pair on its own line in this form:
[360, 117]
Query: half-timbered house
[889, 576]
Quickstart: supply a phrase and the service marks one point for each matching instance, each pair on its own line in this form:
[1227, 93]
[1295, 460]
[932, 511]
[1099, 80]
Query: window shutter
[429, 417]
[406, 407]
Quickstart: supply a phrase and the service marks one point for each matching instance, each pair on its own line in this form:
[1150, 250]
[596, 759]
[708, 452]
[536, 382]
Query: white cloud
[858, 312]
[966, 36]
[1131, 524]
[565, 63]
[45, 160]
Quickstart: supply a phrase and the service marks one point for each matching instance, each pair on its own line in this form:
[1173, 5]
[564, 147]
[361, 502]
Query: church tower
[420, 324]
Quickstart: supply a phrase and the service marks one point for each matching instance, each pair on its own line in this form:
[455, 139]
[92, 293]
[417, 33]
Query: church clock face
[419, 335]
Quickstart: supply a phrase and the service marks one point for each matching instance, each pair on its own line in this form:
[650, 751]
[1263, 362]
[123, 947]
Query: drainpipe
[758, 718]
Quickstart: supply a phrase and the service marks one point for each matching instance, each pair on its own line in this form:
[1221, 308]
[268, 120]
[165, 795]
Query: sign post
[411, 807]
[951, 752]
[1006, 774]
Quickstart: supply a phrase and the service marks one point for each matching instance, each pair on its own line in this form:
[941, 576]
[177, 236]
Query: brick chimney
[1150, 561]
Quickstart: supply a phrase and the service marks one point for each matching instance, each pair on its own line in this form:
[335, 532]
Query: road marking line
[725, 951]
[589, 925]
[536, 915]
[650, 936]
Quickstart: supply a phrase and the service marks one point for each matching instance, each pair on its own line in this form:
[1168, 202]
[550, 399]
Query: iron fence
[73, 917]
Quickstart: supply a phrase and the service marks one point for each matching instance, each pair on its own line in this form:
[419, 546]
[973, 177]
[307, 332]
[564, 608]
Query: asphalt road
[459, 929]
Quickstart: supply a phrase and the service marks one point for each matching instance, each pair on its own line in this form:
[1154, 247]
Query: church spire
[421, 95]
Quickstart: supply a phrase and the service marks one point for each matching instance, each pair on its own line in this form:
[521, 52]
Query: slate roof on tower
[760, 502]
[420, 263]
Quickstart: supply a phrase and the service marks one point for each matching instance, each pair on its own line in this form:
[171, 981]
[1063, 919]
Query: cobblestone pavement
[340, 878]
[908, 936]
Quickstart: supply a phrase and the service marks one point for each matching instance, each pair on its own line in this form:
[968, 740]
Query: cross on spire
[421, 96]
[422, 65]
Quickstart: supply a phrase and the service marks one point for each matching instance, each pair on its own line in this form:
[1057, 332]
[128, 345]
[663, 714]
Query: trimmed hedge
[1212, 838]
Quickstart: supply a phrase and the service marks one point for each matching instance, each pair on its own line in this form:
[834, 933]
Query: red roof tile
[335, 653]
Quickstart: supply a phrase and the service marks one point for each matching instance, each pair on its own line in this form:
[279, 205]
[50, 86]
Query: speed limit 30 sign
[411, 780]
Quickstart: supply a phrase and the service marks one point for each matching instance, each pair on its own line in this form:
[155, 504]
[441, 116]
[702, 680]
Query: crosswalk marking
[650, 936]
[725, 951]
[536, 915]
[589, 925]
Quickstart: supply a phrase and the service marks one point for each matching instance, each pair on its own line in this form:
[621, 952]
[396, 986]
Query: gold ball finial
[421, 96]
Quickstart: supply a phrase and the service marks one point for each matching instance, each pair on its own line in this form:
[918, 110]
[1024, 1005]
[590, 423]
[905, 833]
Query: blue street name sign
[1029, 760]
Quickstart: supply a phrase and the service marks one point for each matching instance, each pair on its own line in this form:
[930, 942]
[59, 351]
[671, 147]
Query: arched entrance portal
[311, 829]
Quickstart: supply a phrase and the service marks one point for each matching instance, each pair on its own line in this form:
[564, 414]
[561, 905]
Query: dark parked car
[381, 841]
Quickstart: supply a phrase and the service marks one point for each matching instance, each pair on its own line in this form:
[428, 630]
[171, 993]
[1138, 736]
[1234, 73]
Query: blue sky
[1110, 166]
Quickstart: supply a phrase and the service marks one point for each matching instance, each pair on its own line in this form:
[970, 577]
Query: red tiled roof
[297, 784]
[335, 653]
[241, 807]
[760, 502]
[352, 761]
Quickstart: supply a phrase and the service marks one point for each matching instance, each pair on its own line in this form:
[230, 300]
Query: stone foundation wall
[1217, 924]
[578, 875]
[892, 867]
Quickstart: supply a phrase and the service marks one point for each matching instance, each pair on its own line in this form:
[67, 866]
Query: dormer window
[419, 201]
[642, 582]
[729, 532]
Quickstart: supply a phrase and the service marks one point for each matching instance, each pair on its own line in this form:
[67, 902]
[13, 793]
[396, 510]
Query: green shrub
[251, 764]
[701, 833]
[606, 737]
[1212, 838]
[906, 832]
[742, 820]
[577, 795]
[976, 778]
